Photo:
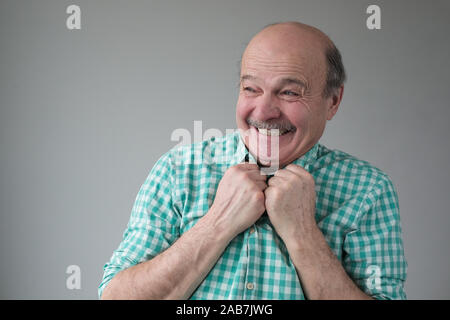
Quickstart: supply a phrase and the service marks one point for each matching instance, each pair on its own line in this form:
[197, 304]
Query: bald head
[292, 35]
[288, 41]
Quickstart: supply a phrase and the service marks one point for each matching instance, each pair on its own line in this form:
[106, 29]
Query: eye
[249, 89]
[290, 93]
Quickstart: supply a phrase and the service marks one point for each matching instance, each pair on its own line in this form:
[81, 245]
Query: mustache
[283, 125]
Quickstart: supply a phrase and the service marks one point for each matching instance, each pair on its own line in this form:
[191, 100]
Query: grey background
[84, 115]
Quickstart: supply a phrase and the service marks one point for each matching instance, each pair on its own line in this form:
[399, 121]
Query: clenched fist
[239, 200]
[290, 201]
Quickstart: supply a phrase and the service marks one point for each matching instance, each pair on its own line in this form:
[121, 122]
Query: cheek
[243, 110]
[297, 115]
[306, 116]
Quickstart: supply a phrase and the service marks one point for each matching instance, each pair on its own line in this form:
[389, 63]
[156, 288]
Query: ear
[333, 102]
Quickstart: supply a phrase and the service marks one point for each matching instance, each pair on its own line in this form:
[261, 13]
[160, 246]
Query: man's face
[281, 87]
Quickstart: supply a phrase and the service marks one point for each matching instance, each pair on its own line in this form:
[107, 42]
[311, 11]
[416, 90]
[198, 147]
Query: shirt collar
[308, 158]
[242, 154]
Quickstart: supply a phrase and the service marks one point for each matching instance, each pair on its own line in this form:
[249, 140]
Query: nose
[266, 108]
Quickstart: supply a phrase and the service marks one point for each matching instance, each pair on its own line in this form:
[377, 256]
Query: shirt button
[252, 230]
[250, 286]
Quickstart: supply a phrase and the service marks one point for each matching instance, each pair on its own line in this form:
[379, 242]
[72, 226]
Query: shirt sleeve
[153, 225]
[373, 253]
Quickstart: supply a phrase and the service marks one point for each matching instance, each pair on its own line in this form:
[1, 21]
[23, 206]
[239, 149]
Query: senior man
[325, 225]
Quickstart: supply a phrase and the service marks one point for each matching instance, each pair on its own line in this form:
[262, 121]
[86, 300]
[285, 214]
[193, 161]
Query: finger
[268, 191]
[298, 170]
[256, 175]
[276, 181]
[283, 173]
[247, 166]
[244, 168]
[261, 185]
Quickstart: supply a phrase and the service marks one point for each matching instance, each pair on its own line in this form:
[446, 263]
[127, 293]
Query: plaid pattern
[357, 211]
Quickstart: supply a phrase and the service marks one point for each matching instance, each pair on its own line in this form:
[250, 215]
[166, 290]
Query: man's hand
[239, 200]
[291, 202]
[291, 206]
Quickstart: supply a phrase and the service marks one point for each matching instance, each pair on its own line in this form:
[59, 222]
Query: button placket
[250, 284]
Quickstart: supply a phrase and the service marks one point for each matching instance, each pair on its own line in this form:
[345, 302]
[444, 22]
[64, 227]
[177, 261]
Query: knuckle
[309, 178]
[237, 173]
[234, 169]
[258, 196]
[292, 166]
[277, 192]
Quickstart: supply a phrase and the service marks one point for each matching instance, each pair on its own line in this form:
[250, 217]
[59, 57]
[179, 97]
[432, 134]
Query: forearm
[320, 272]
[176, 272]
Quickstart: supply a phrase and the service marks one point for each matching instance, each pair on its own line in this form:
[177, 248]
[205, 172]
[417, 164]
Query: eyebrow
[283, 81]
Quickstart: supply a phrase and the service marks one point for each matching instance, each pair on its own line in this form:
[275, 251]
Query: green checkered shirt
[357, 211]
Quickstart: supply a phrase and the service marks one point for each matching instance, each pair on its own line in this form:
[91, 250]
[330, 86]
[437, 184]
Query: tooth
[275, 132]
[263, 131]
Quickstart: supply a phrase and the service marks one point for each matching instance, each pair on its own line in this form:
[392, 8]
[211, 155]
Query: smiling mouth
[271, 129]
[273, 132]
